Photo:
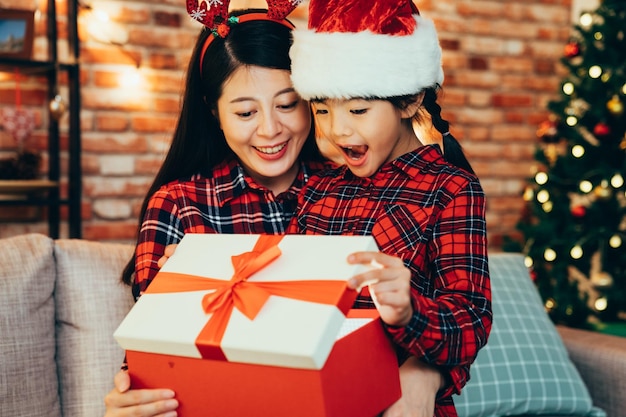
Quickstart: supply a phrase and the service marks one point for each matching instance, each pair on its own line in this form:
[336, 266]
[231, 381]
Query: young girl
[427, 215]
[242, 150]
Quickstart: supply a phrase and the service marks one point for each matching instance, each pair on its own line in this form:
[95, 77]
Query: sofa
[61, 300]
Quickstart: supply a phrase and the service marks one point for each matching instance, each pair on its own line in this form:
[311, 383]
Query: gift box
[255, 325]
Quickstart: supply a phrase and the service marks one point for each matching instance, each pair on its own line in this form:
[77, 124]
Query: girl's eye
[321, 111]
[289, 106]
[358, 111]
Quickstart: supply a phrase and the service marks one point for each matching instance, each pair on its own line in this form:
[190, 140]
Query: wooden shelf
[41, 193]
[25, 186]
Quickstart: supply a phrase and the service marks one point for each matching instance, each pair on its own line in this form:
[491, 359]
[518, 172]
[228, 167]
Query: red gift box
[273, 342]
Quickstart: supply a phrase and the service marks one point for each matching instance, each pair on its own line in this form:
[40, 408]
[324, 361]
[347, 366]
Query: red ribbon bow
[248, 297]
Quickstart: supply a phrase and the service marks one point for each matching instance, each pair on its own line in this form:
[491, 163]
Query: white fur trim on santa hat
[365, 64]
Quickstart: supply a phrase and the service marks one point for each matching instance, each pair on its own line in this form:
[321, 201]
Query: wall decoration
[16, 33]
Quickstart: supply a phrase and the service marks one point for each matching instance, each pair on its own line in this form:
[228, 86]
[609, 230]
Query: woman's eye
[245, 114]
[321, 111]
[289, 106]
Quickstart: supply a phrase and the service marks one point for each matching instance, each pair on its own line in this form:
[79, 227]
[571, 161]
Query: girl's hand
[121, 401]
[167, 253]
[389, 285]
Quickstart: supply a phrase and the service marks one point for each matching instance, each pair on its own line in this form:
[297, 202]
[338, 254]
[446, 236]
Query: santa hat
[365, 48]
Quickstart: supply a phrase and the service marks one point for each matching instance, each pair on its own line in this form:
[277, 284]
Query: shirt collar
[231, 181]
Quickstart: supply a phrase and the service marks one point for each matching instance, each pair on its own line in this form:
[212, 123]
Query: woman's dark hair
[452, 150]
[198, 144]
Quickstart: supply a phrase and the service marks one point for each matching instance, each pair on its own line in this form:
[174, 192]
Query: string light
[595, 71]
[547, 206]
[571, 120]
[549, 255]
[578, 151]
[541, 178]
[528, 261]
[586, 19]
[568, 88]
[598, 36]
[543, 196]
[617, 180]
[585, 186]
[601, 304]
[529, 194]
[576, 252]
[615, 241]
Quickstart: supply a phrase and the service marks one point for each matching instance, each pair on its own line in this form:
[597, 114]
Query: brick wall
[501, 64]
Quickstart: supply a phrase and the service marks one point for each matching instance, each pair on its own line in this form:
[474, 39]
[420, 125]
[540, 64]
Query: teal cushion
[524, 368]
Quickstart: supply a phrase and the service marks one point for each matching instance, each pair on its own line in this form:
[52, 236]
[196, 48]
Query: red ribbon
[248, 297]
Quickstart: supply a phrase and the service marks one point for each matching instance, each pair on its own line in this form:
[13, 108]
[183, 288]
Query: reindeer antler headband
[214, 15]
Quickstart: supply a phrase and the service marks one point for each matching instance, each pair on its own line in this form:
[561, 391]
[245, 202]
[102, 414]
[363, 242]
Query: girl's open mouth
[355, 152]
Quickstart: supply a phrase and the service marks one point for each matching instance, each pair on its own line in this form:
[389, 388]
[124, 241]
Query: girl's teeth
[355, 152]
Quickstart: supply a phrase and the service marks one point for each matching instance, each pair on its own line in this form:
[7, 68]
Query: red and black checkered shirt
[432, 215]
[228, 202]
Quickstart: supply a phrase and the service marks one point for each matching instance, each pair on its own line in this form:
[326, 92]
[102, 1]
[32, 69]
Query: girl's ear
[412, 107]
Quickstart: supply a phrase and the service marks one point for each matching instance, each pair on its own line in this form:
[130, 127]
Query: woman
[243, 149]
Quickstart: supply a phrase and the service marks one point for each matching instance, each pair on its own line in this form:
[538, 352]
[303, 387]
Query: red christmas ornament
[533, 275]
[572, 49]
[601, 129]
[578, 211]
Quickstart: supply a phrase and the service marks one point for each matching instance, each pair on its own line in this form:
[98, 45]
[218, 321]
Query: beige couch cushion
[91, 302]
[27, 327]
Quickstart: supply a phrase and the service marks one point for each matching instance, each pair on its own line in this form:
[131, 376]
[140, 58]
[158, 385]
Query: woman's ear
[412, 106]
[217, 116]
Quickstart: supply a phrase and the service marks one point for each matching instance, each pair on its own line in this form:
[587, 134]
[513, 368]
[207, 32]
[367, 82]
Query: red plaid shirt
[228, 202]
[432, 215]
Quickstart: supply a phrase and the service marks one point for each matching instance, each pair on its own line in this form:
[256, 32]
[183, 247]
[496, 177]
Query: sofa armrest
[601, 362]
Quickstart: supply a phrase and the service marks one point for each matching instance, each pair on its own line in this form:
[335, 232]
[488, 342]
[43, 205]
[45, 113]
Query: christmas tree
[574, 224]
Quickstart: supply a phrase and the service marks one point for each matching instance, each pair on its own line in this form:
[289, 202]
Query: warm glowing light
[547, 206]
[543, 196]
[578, 151]
[541, 178]
[601, 304]
[624, 89]
[549, 255]
[617, 180]
[101, 16]
[101, 28]
[528, 261]
[568, 88]
[615, 241]
[598, 36]
[529, 194]
[130, 79]
[595, 71]
[571, 120]
[586, 19]
[576, 252]
[585, 186]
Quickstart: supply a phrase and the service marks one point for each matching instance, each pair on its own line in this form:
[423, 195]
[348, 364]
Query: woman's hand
[167, 253]
[121, 401]
[419, 383]
[389, 285]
